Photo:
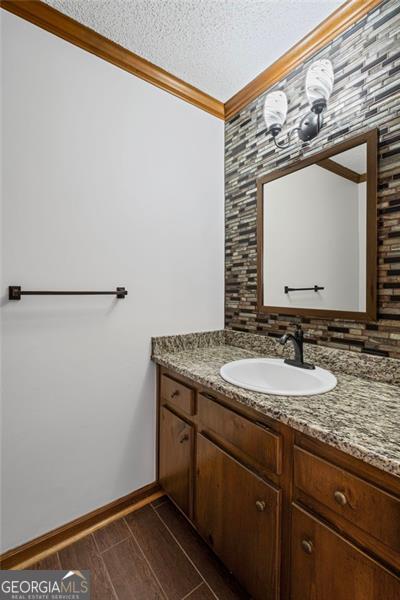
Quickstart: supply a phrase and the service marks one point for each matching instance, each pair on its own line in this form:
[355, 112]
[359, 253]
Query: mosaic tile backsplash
[366, 94]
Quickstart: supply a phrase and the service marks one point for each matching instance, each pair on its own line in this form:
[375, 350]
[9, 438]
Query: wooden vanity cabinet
[175, 458]
[291, 517]
[238, 514]
[325, 566]
[333, 491]
[254, 443]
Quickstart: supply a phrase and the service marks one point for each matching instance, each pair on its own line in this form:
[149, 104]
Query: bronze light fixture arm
[287, 144]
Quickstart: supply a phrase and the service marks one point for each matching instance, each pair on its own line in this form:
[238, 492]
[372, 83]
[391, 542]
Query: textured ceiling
[216, 45]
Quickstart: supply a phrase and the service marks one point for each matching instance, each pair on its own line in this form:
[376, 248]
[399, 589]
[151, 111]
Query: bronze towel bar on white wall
[15, 292]
[315, 288]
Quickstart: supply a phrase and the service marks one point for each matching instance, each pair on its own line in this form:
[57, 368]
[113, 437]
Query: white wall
[312, 236]
[107, 181]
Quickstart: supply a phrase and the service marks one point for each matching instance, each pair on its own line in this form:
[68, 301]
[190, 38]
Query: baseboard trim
[25, 555]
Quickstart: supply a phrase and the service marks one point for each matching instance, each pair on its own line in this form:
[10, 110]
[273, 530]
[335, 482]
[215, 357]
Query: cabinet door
[238, 514]
[327, 567]
[175, 458]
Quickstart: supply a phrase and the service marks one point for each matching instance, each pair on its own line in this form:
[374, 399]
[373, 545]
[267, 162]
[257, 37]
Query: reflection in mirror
[314, 229]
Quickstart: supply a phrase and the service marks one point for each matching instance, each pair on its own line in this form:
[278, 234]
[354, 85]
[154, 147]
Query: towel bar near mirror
[15, 292]
[315, 288]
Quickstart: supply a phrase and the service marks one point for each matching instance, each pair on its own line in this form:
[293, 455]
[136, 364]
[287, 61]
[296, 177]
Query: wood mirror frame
[370, 138]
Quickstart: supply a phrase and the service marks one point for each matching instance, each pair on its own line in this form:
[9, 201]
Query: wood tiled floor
[150, 554]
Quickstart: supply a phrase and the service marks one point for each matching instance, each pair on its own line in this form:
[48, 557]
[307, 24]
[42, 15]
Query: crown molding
[344, 17]
[52, 20]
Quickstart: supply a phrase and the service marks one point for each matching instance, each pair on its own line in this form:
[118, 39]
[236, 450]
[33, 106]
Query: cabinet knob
[340, 498]
[184, 438]
[175, 393]
[307, 546]
[260, 505]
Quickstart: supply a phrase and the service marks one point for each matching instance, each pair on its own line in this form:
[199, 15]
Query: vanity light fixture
[319, 85]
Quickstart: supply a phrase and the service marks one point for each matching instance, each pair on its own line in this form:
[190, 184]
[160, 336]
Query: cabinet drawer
[256, 442]
[364, 505]
[177, 394]
[325, 566]
[239, 515]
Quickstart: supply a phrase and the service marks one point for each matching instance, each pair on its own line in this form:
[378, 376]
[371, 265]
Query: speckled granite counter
[361, 416]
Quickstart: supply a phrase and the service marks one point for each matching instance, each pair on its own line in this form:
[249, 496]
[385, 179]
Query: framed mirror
[316, 234]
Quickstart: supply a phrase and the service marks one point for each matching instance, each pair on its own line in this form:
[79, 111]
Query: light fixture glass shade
[275, 109]
[319, 81]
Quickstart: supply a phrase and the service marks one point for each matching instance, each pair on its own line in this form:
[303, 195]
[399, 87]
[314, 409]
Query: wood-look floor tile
[111, 534]
[217, 576]
[50, 563]
[172, 568]
[82, 555]
[130, 574]
[159, 501]
[201, 593]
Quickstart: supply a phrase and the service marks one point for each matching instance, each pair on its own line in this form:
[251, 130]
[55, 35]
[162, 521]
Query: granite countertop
[361, 416]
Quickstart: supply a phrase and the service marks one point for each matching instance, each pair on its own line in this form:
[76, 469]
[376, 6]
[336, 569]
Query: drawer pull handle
[184, 438]
[307, 546]
[208, 396]
[260, 505]
[175, 393]
[340, 498]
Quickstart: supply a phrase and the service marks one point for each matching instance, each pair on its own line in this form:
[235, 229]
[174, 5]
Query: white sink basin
[274, 376]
